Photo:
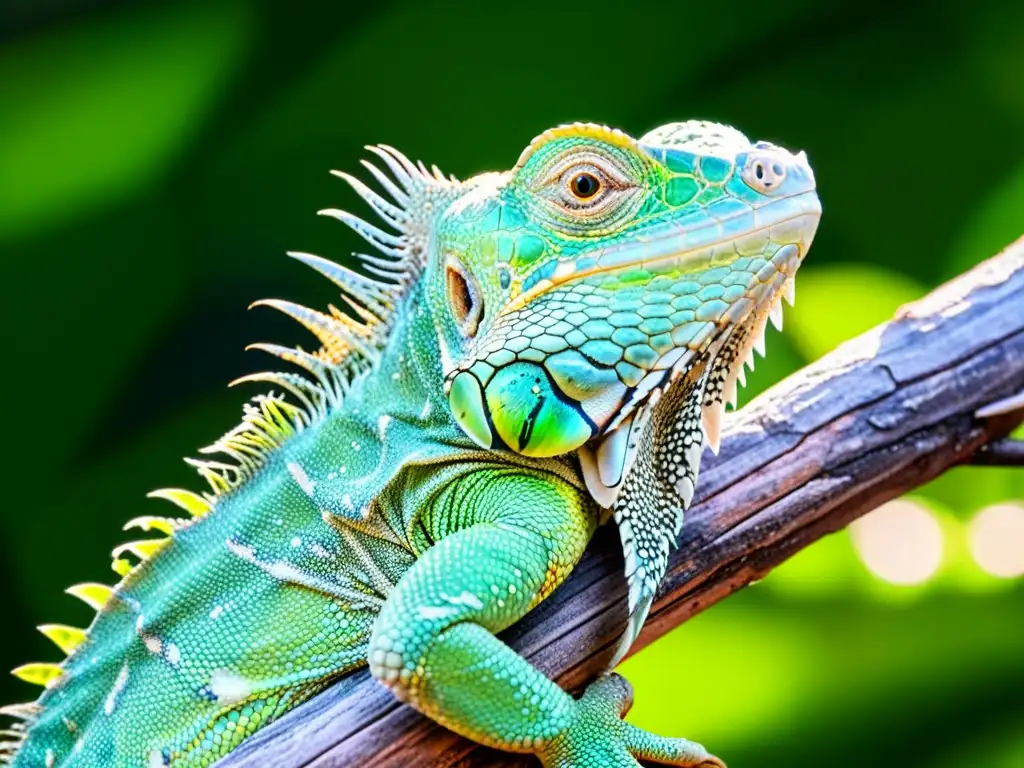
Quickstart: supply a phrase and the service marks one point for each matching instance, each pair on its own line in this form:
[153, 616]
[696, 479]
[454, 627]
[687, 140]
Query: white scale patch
[122, 680]
[173, 654]
[229, 687]
[301, 478]
[246, 553]
[318, 550]
[432, 612]
[466, 598]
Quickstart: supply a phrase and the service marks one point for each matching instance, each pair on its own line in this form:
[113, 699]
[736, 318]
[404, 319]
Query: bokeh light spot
[997, 540]
[900, 542]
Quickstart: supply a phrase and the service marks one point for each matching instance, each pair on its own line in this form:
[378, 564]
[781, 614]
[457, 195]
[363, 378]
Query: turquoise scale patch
[625, 337]
[715, 169]
[603, 351]
[680, 191]
[529, 248]
[681, 162]
[641, 355]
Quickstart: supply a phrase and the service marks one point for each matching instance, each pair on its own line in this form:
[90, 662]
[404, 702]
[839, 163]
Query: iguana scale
[525, 355]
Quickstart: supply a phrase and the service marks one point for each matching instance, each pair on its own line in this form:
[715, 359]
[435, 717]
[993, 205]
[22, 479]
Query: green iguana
[537, 350]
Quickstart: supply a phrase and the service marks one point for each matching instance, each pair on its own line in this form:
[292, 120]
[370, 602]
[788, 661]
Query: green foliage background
[158, 158]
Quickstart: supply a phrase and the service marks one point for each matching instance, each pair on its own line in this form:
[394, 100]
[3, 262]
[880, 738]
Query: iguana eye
[586, 190]
[587, 186]
[584, 185]
[464, 297]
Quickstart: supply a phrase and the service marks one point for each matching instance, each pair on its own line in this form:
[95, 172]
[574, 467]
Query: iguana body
[539, 354]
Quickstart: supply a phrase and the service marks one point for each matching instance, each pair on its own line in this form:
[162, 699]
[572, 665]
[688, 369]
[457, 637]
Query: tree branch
[881, 415]
[1006, 452]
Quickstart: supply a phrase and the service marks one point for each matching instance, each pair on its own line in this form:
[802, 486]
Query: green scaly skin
[545, 348]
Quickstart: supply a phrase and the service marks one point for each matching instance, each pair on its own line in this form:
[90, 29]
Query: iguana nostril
[763, 172]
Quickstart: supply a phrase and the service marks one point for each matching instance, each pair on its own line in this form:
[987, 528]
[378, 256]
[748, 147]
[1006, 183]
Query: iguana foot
[599, 738]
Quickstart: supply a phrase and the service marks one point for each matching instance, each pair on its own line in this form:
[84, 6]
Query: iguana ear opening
[464, 297]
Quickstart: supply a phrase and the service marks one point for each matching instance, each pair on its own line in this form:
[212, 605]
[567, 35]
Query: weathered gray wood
[881, 415]
[1005, 452]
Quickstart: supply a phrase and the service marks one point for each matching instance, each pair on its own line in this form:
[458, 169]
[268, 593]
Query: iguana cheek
[530, 417]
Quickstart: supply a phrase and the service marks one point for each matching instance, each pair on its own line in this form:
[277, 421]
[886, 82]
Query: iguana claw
[600, 738]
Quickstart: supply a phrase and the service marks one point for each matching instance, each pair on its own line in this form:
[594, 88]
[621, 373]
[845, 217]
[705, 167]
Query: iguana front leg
[505, 540]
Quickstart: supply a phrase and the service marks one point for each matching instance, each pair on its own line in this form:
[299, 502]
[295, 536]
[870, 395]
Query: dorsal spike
[64, 637]
[386, 243]
[377, 296]
[379, 272]
[96, 596]
[143, 549]
[26, 711]
[299, 357]
[404, 171]
[215, 473]
[242, 452]
[417, 172]
[301, 388]
[337, 339]
[389, 268]
[153, 523]
[362, 330]
[276, 417]
[192, 503]
[398, 195]
[367, 316]
[46, 675]
[392, 215]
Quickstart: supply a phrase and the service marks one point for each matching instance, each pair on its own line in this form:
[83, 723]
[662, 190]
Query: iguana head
[571, 287]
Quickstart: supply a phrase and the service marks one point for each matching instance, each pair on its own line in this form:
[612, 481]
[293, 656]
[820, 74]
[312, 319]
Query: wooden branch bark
[881, 415]
[1005, 452]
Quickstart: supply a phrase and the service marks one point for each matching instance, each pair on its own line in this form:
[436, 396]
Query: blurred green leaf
[756, 677]
[92, 506]
[420, 73]
[108, 106]
[964, 490]
[781, 360]
[997, 219]
[828, 570]
[998, 746]
[837, 302]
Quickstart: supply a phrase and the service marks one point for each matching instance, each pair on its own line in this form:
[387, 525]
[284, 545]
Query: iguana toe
[599, 738]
